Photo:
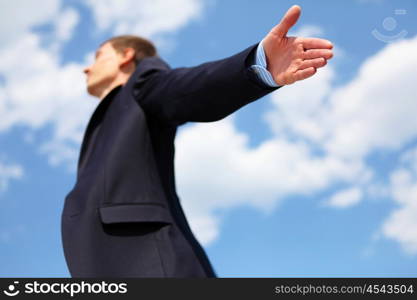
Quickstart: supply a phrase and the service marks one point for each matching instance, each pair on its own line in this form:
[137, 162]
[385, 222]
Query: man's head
[116, 59]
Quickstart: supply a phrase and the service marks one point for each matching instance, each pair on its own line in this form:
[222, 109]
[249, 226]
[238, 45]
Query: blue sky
[318, 179]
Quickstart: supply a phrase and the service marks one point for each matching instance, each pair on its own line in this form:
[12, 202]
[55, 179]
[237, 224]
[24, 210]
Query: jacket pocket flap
[125, 213]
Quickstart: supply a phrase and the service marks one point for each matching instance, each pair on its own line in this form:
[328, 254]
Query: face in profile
[104, 70]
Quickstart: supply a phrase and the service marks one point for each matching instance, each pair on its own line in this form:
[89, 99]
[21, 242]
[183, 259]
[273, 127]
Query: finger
[303, 74]
[289, 19]
[315, 63]
[316, 43]
[316, 53]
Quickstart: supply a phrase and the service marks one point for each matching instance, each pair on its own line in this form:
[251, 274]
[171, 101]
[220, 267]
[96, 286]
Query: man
[123, 217]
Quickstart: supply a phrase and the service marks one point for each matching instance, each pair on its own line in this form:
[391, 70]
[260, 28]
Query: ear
[127, 56]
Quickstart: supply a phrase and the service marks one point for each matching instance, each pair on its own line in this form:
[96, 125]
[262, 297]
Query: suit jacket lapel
[144, 68]
[95, 120]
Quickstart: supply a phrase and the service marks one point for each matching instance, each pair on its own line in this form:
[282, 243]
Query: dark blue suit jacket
[123, 217]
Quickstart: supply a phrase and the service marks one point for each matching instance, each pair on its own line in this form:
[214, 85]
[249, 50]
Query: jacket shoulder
[147, 66]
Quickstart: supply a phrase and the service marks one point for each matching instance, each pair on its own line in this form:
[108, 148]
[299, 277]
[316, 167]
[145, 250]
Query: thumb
[288, 21]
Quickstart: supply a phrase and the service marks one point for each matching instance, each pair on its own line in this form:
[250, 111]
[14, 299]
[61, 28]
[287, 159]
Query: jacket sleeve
[205, 93]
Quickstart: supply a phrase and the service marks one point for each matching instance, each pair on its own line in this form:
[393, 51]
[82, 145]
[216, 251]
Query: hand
[290, 59]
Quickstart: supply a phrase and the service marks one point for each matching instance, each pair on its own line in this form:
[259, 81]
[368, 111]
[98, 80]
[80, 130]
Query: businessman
[123, 217]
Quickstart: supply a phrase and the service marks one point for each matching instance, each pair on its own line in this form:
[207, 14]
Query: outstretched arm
[205, 93]
[213, 90]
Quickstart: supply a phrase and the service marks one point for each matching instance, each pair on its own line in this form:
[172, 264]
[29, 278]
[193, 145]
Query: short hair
[143, 47]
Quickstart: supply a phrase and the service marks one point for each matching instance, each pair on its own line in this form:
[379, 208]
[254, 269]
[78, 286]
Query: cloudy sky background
[316, 179]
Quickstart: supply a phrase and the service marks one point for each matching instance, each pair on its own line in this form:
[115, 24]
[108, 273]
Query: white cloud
[401, 225]
[377, 109]
[377, 191]
[298, 107]
[41, 92]
[346, 198]
[145, 18]
[9, 171]
[65, 24]
[216, 170]
[18, 16]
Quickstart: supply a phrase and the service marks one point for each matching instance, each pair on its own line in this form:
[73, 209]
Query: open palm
[290, 59]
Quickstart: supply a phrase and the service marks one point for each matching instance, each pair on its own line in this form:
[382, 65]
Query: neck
[110, 87]
[120, 79]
